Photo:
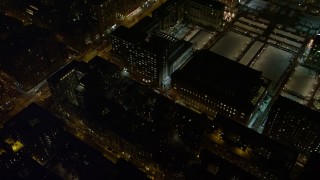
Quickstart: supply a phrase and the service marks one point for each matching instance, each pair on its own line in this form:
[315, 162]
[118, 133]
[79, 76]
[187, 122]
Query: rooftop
[220, 77]
[148, 42]
[22, 41]
[73, 65]
[31, 121]
[176, 46]
[130, 35]
[296, 109]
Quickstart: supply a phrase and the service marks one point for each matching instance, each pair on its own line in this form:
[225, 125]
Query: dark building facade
[211, 83]
[147, 56]
[143, 55]
[34, 129]
[207, 13]
[31, 55]
[147, 25]
[169, 14]
[250, 151]
[146, 125]
[104, 13]
[107, 73]
[102, 76]
[63, 83]
[294, 125]
[33, 145]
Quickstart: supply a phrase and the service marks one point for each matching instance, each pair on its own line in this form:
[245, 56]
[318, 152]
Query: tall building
[294, 124]
[105, 72]
[63, 83]
[147, 56]
[84, 23]
[144, 55]
[104, 13]
[208, 13]
[170, 13]
[31, 55]
[103, 75]
[211, 83]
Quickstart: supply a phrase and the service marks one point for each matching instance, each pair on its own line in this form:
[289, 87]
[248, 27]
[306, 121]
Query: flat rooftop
[73, 65]
[296, 109]
[31, 122]
[22, 41]
[273, 62]
[220, 77]
[302, 82]
[130, 35]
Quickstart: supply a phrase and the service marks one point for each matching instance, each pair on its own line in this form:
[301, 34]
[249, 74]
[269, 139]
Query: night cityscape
[159, 89]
